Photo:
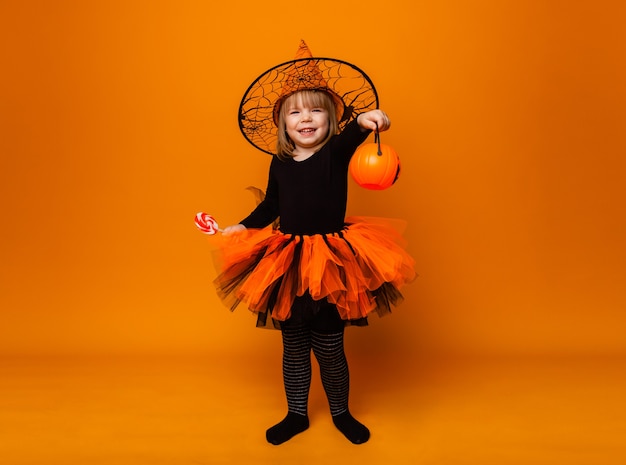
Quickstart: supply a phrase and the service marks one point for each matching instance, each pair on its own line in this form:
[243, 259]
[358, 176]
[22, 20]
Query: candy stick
[206, 223]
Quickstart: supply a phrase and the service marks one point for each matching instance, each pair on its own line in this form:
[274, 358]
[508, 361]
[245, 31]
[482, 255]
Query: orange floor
[199, 410]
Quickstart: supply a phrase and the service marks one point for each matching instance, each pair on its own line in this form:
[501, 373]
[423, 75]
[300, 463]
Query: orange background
[118, 123]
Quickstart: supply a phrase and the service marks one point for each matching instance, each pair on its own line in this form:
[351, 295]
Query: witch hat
[351, 89]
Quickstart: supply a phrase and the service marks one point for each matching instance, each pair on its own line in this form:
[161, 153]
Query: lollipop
[206, 223]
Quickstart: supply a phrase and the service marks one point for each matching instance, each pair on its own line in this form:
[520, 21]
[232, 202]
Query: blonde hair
[311, 98]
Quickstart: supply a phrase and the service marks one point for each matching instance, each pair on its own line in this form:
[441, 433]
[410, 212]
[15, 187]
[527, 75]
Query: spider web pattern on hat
[349, 84]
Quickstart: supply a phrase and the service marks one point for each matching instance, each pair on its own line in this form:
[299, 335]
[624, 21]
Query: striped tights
[329, 352]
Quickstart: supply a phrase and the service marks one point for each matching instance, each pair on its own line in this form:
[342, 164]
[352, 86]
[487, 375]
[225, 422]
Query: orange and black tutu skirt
[359, 270]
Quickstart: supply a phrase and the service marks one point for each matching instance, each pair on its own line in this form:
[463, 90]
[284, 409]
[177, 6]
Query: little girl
[317, 271]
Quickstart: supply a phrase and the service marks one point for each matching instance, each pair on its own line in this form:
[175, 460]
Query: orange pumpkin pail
[375, 166]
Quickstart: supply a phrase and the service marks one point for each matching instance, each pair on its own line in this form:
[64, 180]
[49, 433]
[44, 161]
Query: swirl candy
[206, 223]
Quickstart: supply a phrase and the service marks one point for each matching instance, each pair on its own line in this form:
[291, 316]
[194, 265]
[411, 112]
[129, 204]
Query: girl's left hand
[370, 119]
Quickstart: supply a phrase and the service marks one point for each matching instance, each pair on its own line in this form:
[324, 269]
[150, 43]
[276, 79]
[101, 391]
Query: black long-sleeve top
[310, 196]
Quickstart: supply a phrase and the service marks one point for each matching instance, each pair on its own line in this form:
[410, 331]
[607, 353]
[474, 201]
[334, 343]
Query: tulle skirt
[360, 270]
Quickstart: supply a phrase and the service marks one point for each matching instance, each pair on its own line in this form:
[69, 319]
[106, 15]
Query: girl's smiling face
[307, 124]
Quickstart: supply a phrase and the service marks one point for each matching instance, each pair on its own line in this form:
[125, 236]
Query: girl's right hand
[235, 228]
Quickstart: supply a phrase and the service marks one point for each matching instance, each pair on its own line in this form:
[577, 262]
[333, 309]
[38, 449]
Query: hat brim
[351, 89]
